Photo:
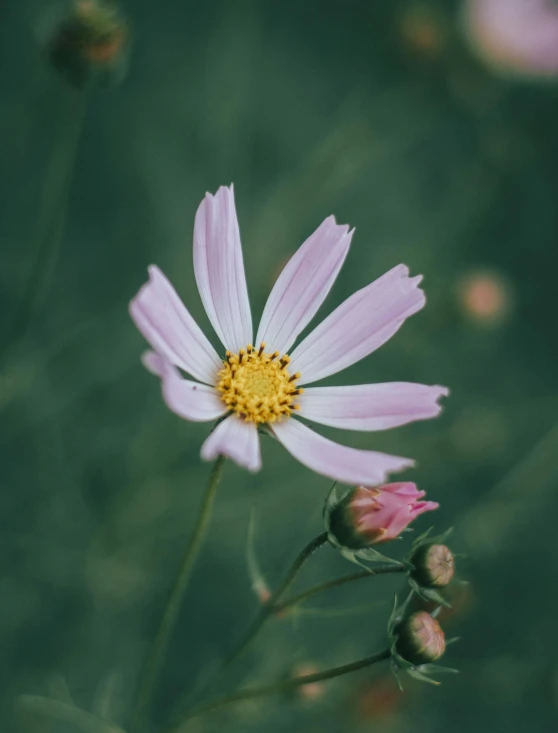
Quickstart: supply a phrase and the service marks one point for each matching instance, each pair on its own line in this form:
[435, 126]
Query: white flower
[260, 386]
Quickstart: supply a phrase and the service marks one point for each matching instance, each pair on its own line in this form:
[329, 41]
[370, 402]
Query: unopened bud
[369, 516]
[420, 639]
[434, 566]
[91, 44]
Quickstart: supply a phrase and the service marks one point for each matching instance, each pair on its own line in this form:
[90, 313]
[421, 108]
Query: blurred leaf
[41, 710]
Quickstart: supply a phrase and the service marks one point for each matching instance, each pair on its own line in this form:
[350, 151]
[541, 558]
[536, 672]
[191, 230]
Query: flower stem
[276, 687]
[393, 567]
[168, 620]
[268, 609]
[51, 217]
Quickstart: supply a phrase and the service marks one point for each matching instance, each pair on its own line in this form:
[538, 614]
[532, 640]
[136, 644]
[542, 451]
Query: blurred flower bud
[368, 516]
[420, 639]
[90, 44]
[515, 36]
[434, 566]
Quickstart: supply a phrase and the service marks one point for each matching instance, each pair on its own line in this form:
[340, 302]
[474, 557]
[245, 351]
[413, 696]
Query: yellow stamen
[256, 387]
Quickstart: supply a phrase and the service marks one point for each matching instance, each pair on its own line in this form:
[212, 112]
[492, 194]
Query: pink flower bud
[368, 516]
[421, 639]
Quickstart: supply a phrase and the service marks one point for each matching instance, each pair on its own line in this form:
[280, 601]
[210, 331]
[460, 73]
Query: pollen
[258, 386]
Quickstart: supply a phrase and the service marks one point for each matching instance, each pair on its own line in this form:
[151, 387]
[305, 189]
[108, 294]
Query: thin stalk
[268, 609]
[394, 567]
[51, 217]
[159, 645]
[281, 686]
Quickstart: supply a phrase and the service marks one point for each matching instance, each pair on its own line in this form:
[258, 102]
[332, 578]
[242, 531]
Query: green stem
[268, 609]
[51, 217]
[160, 642]
[288, 684]
[394, 567]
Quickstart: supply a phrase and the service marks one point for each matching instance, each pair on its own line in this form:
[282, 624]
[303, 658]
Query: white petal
[303, 285]
[219, 269]
[166, 324]
[339, 462]
[190, 400]
[358, 326]
[371, 406]
[237, 440]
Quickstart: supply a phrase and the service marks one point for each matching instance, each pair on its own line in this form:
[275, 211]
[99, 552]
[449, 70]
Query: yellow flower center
[258, 386]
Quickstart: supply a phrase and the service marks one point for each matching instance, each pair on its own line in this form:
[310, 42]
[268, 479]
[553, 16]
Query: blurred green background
[377, 112]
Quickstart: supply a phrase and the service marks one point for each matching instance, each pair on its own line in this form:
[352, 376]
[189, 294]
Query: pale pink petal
[166, 324]
[191, 400]
[358, 326]
[404, 488]
[303, 285]
[219, 269]
[349, 465]
[371, 406]
[423, 506]
[153, 362]
[237, 440]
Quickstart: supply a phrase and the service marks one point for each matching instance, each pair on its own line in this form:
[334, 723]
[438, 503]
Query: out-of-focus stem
[269, 607]
[159, 645]
[51, 217]
[281, 686]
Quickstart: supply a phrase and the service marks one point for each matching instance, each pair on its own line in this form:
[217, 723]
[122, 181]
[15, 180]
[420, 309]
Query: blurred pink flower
[369, 516]
[260, 387]
[485, 297]
[517, 36]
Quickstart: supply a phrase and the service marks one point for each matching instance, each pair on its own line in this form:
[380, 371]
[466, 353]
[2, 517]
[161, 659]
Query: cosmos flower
[368, 516]
[260, 386]
[515, 36]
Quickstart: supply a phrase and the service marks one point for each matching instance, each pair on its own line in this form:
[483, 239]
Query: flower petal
[219, 269]
[303, 285]
[339, 462]
[358, 326]
[423, 506]
[371, 406]
[237, 440]
[166, 324]
[190, 400]
[404, 488]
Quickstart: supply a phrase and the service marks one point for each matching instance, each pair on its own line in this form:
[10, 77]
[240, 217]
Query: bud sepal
[367, 516]
[91, 44]
[431, 566]
[416, 641]
[356, 556]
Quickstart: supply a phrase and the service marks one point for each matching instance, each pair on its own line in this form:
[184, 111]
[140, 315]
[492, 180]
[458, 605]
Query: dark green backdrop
[311, 107]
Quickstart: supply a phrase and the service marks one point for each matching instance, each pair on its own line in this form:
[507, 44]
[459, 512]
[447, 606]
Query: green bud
[90, 44]
[420, 639]
[434, 566]
[342, 522]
